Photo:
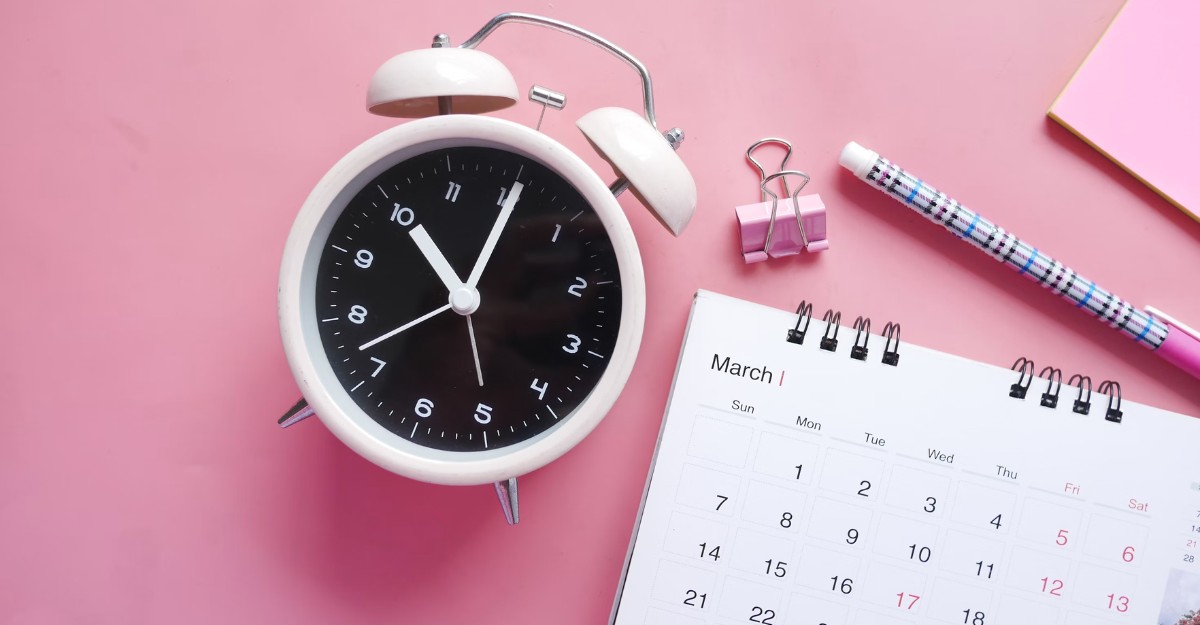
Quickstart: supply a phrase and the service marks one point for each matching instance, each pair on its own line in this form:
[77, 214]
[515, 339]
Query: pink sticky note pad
[1135, 97]
[753, 220]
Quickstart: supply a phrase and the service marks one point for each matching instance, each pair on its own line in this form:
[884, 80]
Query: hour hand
[434, 257]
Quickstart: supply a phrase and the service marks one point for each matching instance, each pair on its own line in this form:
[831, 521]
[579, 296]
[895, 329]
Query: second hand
[474, 350]
[404, 327]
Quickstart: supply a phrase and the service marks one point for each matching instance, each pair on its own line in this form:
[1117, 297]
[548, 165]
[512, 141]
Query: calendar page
[793, 485]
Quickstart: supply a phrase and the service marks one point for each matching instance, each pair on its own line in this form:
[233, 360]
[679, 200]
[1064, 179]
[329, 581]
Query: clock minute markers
[427, 371]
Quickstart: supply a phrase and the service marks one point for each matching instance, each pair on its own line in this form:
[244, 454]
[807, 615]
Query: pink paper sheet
[1136, 95]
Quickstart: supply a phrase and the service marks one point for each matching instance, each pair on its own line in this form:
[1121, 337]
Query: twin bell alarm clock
[461, 298]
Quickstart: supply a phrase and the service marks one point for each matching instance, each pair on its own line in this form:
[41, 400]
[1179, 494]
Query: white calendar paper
[796, 486]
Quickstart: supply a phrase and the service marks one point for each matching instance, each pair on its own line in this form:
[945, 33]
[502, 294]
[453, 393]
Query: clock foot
[296, 414]
[506, 491]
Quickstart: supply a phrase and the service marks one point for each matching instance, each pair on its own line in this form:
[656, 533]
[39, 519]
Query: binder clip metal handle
[763, 235]
[762, 173]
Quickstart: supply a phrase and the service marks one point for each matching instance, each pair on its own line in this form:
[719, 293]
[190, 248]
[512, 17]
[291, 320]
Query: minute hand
[489, 246]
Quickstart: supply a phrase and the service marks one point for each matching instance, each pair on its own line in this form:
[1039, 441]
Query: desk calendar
[797, 485]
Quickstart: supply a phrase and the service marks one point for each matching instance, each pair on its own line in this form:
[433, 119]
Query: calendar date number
[974, 617]
[1052, 587]
[762, 615]
[1120, 603]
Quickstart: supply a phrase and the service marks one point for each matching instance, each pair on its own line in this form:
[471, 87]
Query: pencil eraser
[857, 159]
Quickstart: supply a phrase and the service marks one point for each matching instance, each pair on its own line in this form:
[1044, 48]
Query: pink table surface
[154, 155]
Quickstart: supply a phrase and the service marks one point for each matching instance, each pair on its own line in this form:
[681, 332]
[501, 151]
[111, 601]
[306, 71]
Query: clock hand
[435, 258]
[474, 350]
[489, 246]
[403, 327]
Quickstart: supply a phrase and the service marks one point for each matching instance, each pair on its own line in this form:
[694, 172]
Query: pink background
[155, 153]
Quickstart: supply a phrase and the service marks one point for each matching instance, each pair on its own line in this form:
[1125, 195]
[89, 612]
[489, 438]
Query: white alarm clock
[461, 298]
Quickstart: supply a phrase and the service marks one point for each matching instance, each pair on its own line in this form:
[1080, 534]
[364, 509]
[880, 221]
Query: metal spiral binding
[1025, 366]
[891, 346]
[1083, 403]
[1053, 386]
[862, 328]
[862, 334]
[1083, 398]
[1113, 414]
[832, 321]
[804, 312]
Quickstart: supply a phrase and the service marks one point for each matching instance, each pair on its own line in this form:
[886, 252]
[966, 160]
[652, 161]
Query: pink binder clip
[763, 235]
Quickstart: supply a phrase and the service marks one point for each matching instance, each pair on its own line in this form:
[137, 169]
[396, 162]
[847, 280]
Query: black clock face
[453, 343]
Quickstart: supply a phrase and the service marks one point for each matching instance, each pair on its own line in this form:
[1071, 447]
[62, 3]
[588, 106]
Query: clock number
[403, 215]
[557, 229]
[358, 314]
[452, 192]
[500, 200]
[483, 414]
[424, 407]
[379, 368]
[364, 258]
[573, 347]
[541, 390]
[577, 288]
